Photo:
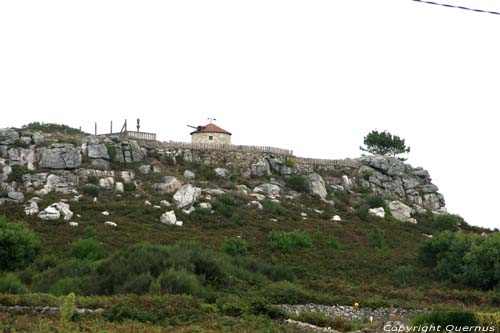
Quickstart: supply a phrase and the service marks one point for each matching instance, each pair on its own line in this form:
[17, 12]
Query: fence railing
[317, 161]
[226, 147]
[134, 135]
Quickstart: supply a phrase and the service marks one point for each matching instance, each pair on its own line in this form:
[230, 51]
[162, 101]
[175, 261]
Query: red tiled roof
[210, 128]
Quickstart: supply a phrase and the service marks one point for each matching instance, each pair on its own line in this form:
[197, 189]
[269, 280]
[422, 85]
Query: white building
[211, 134]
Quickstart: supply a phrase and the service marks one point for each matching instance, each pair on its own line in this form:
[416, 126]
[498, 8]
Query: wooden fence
[224, 147]
[134, 135]
[324, 162]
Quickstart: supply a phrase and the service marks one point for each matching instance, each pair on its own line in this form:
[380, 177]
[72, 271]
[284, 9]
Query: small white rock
[73, 224]
[111, 224]
[105, 213]
[337, 218]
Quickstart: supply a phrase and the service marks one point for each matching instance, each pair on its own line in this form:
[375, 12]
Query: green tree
[18, 246]
[384, 143]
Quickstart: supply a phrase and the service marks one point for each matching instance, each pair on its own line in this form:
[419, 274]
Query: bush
[445, 222]
[92, 180]
[68, 308]
[377, 240]
[10, 284]
[334, 243]
[465, 258]
[129, 187]
[179, 282]
[235, 247]
[52, 128]
[91, 190]
[297, 183]
[17, 174]
[18, 246]
[274, 207]
[89, 249]
[287, 293]
[375, 201]
[444, 318]
[89, 232]
[287, 241]
[111, 152]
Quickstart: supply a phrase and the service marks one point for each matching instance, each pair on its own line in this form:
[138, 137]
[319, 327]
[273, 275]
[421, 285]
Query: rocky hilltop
[34, 165]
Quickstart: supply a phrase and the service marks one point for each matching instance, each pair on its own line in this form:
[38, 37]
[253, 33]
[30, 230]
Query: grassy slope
[355, 272]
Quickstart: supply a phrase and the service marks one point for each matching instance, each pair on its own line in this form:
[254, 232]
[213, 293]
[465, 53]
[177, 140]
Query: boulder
[170, 219]
[119, 187]
[268, 189]
[260, 168]
[107, 183]
[205, 205]
[186, 196]
[37, 138]
[401, 212]
[8, 136]
[223, 173]
[110, 224]
[100, 164]
[60, 156]
[127, 176]
[377, 212]
[189, 175]
[316, 185]
[156, 168]
[165, 203]
[170, 184]
[31, 209]
[256, 204]
[214, 191]
[337, 218]
[97, 151]
[73, 224]
[189, 210]
[63, 208]
[16, 196]
[145, 169]
[49, 214]
[279, 166]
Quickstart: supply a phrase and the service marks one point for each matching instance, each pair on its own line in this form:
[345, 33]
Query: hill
[224, 234]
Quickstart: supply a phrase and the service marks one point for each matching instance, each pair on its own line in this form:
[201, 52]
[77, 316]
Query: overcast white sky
[312, 76]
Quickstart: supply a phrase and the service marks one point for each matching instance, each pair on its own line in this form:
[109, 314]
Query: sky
[311, 76]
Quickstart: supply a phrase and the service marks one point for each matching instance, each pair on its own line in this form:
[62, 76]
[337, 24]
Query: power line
[459, 7]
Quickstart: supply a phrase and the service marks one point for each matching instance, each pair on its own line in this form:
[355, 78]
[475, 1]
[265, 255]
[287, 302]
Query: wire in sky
[459, 7]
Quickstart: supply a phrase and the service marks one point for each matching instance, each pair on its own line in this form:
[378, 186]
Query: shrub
[465, 258]
[287, 293]
[52, 128]
[297, 183]
[274, 207]
[91, 190]
[404, 274]
[68, 308]
[179, 282]
[445, 318]
[377, 240]
[17, 174]
[375, 201]
[92, 180]
[235, 247]
[129, 187]
[111, 152]
[445, 222]
[18, 246]
[10, 284]
[287, 241]
[89, 249]
[89, 232]
[334, 243]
